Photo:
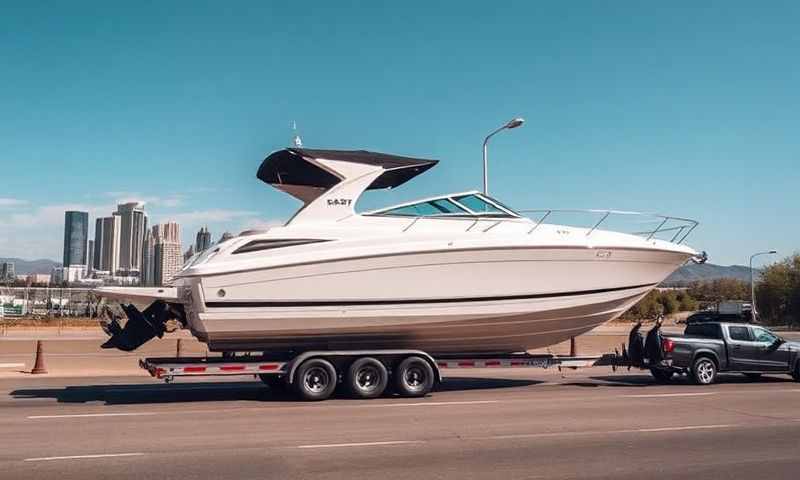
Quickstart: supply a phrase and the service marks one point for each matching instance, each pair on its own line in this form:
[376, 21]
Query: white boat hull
[436, 301]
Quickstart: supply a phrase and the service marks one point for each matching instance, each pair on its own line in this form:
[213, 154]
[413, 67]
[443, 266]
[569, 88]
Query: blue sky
[673, 107]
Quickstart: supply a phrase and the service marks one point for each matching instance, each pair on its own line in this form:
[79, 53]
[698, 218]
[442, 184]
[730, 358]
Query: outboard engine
[141, 327]
[636, 346]
[653, 354]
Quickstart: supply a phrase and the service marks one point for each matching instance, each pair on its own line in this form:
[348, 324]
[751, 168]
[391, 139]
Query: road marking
[663, 395]
[430, 404]
[608, 432]
[85, 415]
[680, 429]
[77, 457]
[363, 444]
[12, 365]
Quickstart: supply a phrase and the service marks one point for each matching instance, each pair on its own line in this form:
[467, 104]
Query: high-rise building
[167, 259]
[203, 240]
[132, 226]
[148, 260]
[7, 272]
[106, 244]
[90, 257]
[76, 232]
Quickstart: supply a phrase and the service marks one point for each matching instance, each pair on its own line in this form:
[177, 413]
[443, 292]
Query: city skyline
[628, 106]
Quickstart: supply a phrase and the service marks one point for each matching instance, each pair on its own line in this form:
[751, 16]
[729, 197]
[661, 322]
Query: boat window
[267, 244]
[439, 206]
[479, 205]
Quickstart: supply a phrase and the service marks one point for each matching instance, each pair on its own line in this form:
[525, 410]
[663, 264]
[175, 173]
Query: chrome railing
[677, 228]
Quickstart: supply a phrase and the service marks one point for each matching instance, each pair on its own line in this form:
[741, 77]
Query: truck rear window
[705, 330]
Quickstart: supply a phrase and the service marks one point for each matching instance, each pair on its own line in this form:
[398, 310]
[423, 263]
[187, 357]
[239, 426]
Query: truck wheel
[661, 376]
[752, 376]
[367, 378]
[704, 371]
[413, 377]
[315, 379]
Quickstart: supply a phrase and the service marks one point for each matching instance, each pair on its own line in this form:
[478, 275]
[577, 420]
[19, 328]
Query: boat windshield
[459, 205]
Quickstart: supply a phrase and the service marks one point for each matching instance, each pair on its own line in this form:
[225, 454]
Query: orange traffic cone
[38, 364]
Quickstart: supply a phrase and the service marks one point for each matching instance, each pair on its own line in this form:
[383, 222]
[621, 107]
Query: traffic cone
[38, 365]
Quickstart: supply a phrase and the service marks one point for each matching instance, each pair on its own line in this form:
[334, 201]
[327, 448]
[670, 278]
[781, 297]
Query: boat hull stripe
[342, 303]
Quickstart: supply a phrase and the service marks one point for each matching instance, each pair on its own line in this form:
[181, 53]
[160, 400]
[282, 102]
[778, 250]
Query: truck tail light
[667, 345]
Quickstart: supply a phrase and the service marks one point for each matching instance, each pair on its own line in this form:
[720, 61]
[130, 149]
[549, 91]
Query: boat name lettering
[604, 253]
[340, 202]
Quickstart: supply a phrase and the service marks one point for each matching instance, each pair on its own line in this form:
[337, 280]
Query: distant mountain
[24, 267]
[707, 271]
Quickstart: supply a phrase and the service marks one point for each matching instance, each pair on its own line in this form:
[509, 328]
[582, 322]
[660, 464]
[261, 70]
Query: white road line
[430, 404]
[680, 429]
[77, 457]
[363, 444]
[85, 415]
[665, 395]
[606, 432]
[12, 365]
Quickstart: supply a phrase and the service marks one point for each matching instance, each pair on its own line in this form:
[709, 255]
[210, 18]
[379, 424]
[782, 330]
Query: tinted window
[707, 330]
[762, 335]
[440, 206]
[257, 245]
[741, 334]
[480, 206]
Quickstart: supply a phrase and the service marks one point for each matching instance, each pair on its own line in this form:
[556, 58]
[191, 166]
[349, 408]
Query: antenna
[297, 141]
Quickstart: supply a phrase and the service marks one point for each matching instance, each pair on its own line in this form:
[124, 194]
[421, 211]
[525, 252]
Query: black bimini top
[291, 166]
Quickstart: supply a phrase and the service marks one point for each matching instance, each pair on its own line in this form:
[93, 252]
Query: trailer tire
[414, 377]
[704, 371]
[661, 375]
[315, 379]
[367, 378]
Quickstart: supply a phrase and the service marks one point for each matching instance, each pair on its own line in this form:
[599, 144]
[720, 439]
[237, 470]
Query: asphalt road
[493, 424]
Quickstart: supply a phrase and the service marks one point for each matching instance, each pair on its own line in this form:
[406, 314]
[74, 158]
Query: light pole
[508, 126]
[753, 310]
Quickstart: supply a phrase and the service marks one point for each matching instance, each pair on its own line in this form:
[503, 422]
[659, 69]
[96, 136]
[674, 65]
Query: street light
[753, 310]
[508, 126]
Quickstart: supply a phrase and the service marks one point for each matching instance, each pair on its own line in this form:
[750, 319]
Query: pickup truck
[708, 348]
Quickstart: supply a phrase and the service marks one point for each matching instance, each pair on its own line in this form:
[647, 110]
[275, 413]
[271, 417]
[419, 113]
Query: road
[525, 423]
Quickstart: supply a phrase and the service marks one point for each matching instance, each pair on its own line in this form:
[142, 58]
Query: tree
[778, 292]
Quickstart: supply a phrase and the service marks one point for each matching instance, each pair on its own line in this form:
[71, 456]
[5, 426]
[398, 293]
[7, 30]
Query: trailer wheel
[413, 377]
[367, 378]
[704, 371]
[661, 376]
[315, 379]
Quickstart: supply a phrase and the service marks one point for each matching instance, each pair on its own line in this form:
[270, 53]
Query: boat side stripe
[338, 303]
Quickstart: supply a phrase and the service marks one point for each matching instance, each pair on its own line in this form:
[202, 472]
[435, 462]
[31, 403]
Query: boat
[460, 272]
